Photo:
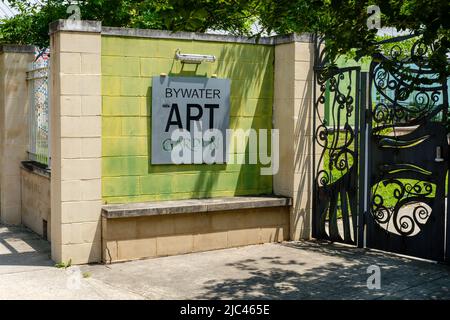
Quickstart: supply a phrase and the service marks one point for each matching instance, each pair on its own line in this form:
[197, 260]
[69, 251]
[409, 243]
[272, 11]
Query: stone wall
[14, 61]
[293, 116]
[35, 204]
[156, 236]
[76, 141]
[128, 65]
[100, 128]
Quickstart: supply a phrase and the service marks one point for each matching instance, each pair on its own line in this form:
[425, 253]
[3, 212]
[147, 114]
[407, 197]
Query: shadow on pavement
[21, 247]
[328, 271]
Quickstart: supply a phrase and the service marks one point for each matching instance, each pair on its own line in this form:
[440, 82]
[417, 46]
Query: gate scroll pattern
[408, 153]
[335, 150]
[381, 152]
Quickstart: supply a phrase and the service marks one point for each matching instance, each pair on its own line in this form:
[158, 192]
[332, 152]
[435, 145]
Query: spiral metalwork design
[334, 136]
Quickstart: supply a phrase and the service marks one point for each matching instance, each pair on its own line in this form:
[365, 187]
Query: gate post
[293, 117]
[76, 141]
[364, 101]
[14, 103]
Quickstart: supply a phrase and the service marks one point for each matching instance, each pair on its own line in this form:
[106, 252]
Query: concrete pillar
[14, 103]
[76, 141]
[293, 117]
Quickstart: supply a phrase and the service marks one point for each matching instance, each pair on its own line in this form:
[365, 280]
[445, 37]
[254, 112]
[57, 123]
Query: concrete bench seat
[144, 209]
[164, 228]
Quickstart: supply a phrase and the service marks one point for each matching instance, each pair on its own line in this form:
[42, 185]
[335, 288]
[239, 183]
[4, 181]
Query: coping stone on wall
[16, 48]
[36, 168]
[293, 37]
[164, 34]
[96, 27]
[75, 26]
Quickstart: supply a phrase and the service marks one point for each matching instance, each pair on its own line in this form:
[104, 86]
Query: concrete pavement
[292, 270]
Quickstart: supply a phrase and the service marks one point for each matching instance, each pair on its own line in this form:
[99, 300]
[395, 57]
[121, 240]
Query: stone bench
[163, 228]
[191, 206]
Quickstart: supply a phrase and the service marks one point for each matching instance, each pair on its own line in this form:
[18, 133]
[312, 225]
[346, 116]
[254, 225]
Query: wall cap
[35, 168]
[17, 48]
[75, 26]
[164, 34]
[294, 37]
[145, 209]
[96, 27]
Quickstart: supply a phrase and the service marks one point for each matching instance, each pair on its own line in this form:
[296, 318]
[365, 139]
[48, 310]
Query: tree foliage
[342, 22]
[30, 26]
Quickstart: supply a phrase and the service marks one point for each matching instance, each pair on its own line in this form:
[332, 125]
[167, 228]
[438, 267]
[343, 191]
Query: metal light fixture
[194, 58]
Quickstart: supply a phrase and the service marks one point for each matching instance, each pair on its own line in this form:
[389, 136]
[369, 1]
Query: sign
[192, 104]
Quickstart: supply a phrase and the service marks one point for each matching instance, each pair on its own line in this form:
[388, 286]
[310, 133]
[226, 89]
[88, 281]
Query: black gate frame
[325, 195]
[328, 194]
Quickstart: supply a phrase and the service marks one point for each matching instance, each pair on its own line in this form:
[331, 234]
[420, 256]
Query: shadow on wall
[340, 273]
[250, 107]
[303, 162]
[14, 117]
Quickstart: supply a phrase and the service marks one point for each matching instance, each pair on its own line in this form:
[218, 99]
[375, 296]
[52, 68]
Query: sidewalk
[293, 270]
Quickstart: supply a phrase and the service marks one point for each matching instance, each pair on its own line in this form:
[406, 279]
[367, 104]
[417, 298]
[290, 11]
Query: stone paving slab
[291, 270]
[22, 251]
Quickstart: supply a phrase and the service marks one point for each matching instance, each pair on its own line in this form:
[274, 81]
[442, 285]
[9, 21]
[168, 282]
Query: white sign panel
[192, 104]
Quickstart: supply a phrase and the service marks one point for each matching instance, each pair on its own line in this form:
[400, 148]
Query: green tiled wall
[127, 67]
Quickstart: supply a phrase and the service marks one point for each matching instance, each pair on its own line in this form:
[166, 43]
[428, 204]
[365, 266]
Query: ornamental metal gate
[336, 136]
[382, 154]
